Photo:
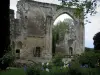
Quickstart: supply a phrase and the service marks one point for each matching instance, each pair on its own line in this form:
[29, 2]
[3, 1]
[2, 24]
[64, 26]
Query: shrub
[6, 60]
[57, 59]
[74, 68]
[33, 69]
[55, 71]
[90, 58]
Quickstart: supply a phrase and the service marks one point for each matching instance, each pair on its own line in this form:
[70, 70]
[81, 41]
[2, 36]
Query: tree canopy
[86, 6]
[96, 39]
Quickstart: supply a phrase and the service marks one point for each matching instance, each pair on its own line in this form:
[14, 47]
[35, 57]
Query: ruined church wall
[36, 19]
[29, 47]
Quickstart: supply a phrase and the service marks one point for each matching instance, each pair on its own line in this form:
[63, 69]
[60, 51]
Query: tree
[6, 60]
[57, 59]
[61, 28]
[59, 31]
[91, 58]
[96, 39]
[86, 64]
[88, 49]
[86, 6]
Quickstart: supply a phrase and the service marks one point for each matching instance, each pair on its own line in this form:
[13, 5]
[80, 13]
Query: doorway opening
[70, 50]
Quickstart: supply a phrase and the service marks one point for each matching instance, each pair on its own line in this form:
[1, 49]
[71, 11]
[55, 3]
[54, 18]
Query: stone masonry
[33, 31]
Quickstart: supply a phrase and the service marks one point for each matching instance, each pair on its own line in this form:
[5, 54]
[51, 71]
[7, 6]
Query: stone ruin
[31, 32]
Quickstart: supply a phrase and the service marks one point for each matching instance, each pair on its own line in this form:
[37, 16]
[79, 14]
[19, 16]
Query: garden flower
[47, 63]
[42, 64]
[42, 68]
[47, 69]
[25, 68]
[68, 65]
[86, 66]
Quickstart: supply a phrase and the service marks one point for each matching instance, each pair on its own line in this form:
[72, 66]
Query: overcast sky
[90, 29]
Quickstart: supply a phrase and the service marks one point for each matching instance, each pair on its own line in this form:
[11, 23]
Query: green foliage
[74, 68]
[83, 71]
[96, 39]
[82, 7]
[76, 65]
[88, 5]
[57, 59]
[6, 60]
[58, 32]
[88, 49]
[55, 71]
[33, 70]
[89, 58]
[56, 66]
[17, 71]
[58, 71]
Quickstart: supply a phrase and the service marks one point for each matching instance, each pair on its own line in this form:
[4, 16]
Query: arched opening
[62, 26]
[19, 44]
[17, 53]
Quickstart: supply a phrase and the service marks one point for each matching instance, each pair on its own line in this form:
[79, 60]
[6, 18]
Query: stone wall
[12, 24]
[35, 29]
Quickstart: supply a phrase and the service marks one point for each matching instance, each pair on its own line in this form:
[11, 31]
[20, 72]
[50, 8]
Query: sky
[90, 29]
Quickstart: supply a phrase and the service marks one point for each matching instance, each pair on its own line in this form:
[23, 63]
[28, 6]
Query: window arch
[19, 44]
[61, 27]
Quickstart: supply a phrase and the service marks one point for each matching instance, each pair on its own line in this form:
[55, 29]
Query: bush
[33, 69]
[6, 60]
[57, 59]
[76, 66]
[76, 69]
[55, 71]
[88, 58]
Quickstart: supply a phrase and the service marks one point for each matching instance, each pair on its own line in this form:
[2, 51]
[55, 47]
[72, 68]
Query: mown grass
[18, 71]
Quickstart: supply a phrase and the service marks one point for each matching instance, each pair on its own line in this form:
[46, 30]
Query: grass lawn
[18, 71]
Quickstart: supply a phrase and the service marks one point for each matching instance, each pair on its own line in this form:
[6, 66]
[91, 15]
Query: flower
[47, 69]
[42, 64]
[47, 63]
[25, 68]
[42, 68]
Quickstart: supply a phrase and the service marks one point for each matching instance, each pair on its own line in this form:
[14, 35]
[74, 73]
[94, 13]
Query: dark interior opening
[37, 53]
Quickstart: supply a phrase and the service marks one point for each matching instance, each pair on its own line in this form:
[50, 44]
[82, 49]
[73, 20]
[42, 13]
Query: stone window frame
[18, 53]
[35, 52]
